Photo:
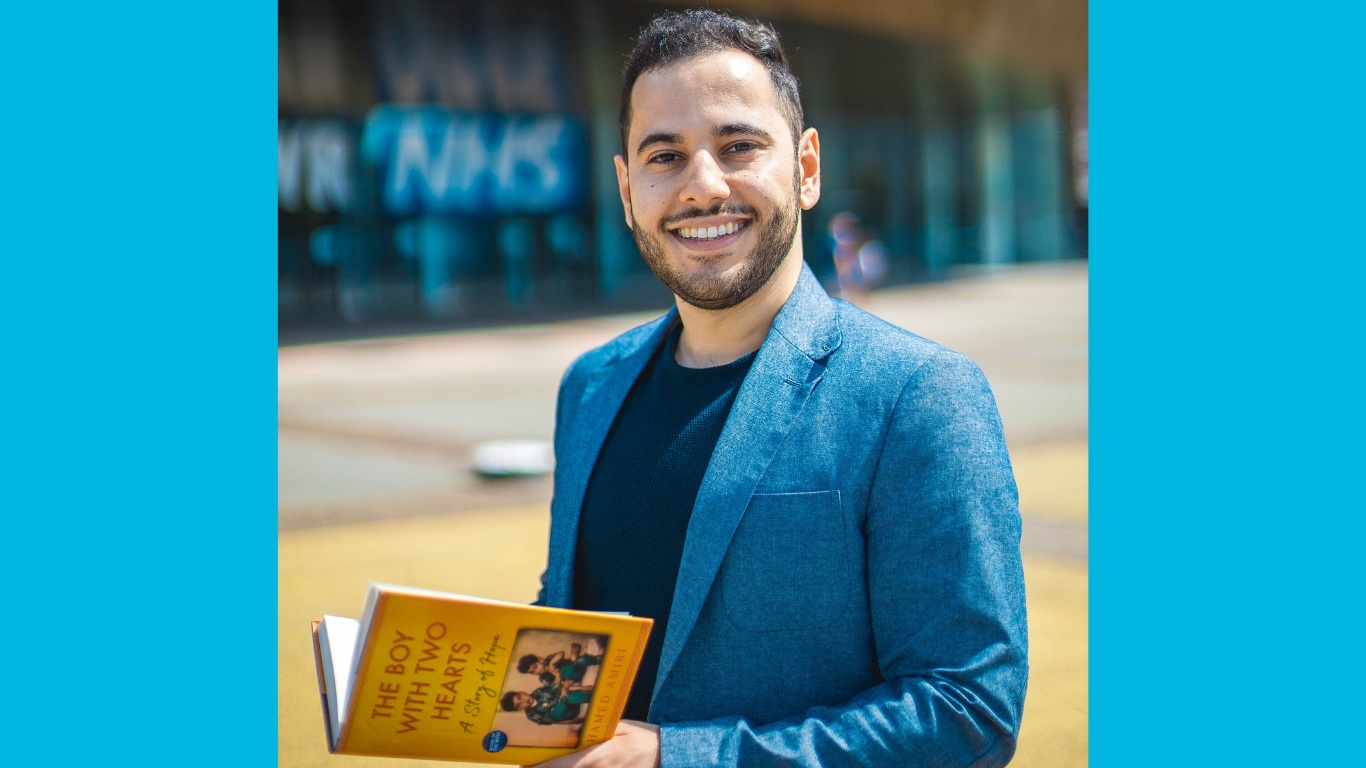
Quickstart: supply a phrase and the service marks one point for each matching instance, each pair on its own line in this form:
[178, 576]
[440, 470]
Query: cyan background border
[138, 545]
[1226, 422]
[139, 464]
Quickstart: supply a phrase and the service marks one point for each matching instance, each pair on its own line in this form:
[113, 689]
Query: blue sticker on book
[495, 741]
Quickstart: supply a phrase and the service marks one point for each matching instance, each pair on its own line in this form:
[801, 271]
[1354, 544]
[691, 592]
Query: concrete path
[384, 428]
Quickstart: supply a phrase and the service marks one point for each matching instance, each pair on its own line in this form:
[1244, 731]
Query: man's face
[536, 668]
[711, 183]
[522, 700]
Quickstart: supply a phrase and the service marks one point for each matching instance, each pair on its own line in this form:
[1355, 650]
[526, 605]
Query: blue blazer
[850, 591]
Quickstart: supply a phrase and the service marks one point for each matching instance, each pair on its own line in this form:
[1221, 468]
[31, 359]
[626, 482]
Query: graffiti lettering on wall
[434, 160]
[315, 166]
[468, 195]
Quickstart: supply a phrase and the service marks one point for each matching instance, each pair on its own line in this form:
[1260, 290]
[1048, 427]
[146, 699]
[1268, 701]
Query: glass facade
[445, 163]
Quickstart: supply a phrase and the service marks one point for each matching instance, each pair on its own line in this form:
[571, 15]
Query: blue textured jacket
[850, 591]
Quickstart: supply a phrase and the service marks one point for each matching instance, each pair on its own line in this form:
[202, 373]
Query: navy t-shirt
[640, 496]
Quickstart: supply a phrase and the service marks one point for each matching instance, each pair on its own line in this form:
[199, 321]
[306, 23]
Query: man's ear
[624, 186]
[809, 158]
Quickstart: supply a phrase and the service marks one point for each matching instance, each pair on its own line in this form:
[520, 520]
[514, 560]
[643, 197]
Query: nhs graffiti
[435, 160]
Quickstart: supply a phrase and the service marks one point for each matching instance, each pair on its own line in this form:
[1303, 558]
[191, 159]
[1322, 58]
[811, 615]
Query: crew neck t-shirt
[640, 496]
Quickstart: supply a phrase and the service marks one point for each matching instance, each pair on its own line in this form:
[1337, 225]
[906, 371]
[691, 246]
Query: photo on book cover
[549, 686]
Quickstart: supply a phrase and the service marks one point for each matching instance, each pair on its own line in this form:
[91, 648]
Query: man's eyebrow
[659, 137]
[732, 129]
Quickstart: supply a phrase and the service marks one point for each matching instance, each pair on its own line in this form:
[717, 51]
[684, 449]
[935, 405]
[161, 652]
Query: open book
[439, 676]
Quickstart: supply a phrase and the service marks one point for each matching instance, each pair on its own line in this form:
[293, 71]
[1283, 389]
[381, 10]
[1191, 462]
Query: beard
[710, 286]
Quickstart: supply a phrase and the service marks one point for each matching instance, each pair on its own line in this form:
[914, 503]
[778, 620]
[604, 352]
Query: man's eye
[740, 147]
[664, 157]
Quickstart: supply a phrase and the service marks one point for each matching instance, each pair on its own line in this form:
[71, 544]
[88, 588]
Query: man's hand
[634, 745]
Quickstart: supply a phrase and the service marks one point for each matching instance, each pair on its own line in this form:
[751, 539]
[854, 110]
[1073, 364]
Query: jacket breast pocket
[786, 567]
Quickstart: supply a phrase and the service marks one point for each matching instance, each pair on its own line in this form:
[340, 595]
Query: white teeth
[710, 233]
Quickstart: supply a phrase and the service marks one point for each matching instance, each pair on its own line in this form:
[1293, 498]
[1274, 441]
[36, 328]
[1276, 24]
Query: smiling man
[815, 507]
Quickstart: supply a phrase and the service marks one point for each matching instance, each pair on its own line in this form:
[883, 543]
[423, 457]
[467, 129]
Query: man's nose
[706, 182]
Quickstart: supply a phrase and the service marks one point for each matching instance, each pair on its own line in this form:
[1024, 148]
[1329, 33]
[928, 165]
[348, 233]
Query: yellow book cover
[440, 676]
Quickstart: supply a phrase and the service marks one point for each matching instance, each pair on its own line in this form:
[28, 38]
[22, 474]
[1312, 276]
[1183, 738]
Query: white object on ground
[514, 458]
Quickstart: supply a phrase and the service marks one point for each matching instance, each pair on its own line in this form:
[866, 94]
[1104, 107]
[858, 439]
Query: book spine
[642, 637]
[322, 685]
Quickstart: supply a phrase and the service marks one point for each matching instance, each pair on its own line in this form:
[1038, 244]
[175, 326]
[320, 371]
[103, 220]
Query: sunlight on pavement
[1053, 481]
[1053, 733]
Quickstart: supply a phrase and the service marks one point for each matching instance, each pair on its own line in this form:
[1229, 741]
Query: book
[440, 676]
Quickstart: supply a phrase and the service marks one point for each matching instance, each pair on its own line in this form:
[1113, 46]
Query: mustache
[720, 209]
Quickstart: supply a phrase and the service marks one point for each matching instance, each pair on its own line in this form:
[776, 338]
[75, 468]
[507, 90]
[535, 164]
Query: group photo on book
[547, 694]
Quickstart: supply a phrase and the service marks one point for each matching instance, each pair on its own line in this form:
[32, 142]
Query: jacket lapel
[602, 398]
[789, 365]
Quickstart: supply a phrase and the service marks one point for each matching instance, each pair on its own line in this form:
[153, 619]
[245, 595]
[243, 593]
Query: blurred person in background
[814, 506]
[860, 261]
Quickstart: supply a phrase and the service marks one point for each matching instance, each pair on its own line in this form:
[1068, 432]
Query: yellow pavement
[499, 553]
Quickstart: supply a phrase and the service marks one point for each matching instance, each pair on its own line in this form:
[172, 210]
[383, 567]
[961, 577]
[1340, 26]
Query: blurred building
[444, 162]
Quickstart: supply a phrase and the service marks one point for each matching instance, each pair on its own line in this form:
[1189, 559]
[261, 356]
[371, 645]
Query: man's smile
[709, 232]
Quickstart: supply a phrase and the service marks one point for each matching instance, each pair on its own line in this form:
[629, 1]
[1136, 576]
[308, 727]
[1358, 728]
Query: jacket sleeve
[562, 418]
[946, 594]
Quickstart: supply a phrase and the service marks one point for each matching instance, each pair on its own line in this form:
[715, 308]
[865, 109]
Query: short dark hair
[524, 663]
[510, 701]
[675, 36]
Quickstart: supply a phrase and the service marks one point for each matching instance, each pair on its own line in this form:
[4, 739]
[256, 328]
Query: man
[816, 507]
